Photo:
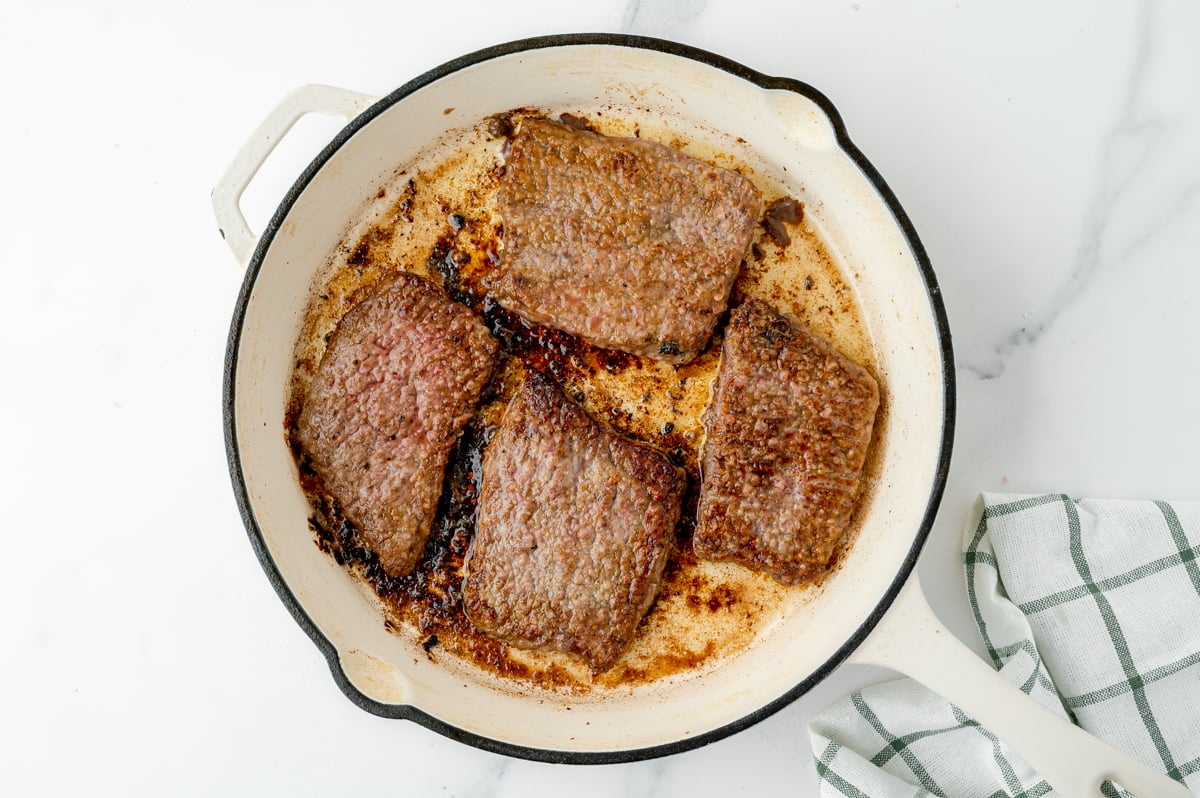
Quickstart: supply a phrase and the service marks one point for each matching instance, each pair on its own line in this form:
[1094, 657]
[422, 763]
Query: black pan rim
[258, 543]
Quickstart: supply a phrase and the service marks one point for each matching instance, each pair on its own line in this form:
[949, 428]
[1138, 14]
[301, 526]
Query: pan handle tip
[910, 639]
[226, 197]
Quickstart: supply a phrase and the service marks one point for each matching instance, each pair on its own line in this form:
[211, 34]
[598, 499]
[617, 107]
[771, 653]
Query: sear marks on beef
[575, 525]
[788, 431]
[401, 377]
[628, 244]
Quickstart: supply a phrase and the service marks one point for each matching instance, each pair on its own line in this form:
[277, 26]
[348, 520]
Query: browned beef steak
[399, 380]
[788, 434]
[626, 243]
[575, 525]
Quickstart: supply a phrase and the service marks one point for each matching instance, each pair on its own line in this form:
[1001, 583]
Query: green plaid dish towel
[1092, 607]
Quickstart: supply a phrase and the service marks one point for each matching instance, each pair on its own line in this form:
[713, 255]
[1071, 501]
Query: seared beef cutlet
[628, 244]
[401, 376]
[575, 525]
[788, 431]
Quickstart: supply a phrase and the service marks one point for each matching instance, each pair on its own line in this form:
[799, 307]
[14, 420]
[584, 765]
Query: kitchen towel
[1090, 606]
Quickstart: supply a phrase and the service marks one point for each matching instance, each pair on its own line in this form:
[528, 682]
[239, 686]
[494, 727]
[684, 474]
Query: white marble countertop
[1047, 154]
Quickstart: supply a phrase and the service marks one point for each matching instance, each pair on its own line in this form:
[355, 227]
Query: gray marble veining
[1128, 207]
[662, 18]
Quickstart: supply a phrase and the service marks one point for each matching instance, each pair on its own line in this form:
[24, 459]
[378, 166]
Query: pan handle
[226, 197]
[912, 640]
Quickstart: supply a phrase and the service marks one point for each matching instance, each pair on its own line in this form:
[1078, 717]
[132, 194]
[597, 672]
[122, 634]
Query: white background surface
[1047, 156]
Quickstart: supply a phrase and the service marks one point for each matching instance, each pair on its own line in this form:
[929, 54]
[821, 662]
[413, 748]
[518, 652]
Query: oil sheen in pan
[438, 217]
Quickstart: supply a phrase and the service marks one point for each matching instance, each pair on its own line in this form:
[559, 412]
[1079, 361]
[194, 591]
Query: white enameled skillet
[870, 611]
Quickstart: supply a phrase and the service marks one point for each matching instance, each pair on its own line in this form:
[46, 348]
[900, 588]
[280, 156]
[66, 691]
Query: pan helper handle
[226, 197]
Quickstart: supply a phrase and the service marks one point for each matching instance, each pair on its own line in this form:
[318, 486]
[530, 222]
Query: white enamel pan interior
[869, 609]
